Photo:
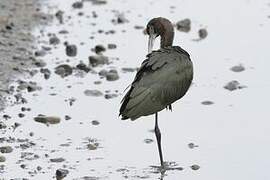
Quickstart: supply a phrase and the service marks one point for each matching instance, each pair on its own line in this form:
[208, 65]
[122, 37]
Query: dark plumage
[163, 78]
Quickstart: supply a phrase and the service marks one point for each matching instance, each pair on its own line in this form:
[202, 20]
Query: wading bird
[164, 77]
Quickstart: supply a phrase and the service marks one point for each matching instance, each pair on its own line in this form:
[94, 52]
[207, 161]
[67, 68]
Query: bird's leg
[158, 136]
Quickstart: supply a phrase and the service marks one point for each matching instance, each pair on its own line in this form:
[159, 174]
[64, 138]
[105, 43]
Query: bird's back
[164, 77]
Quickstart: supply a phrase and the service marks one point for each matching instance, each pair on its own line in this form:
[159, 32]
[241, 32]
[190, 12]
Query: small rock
[61, 173]
[99, 49]
[120, 19]
[91, 146]
[238, 68]
[59, 15]
[21, 115]
[184, 25]
[202, 33]
[195, 167]
[83, 67]
[192, 145]
[98, 60]
[112, 75]
[40, 53]
[112, 46]
[40, 63]
[71, 50]
[67, 117]
[46, 72]
[95, 93]
[39, 168]
[54, 40]
[207, 102]
[77, 5]
[233, 85]
[2, 159]
[2, 125]
[47, 119]
[95, 122]
[110, 96]
[6, 149]
[98, 2]
[103, 72]
[138, 27]
[126, 69]
[148, 141]
[63, 70]
[57, 160]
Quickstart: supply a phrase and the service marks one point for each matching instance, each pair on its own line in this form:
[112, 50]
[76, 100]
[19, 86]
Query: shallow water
[232, 134]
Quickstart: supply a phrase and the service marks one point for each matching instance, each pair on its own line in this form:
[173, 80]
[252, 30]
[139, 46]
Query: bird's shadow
[168, 166]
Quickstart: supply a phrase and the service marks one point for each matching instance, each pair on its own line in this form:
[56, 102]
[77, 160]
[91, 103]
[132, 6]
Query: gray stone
[54, 40]
[112, 75]
[6, 149]
[61, 173]
[47, 119]
[71, 50]
[195, 167]
[57, 160]
[202, 33]
[184, 25]
[63, 70]
[98, 60]
[95, 93]
[238, 68]
[233, 85]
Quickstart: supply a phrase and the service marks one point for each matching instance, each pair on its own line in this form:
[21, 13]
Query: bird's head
[157, 27]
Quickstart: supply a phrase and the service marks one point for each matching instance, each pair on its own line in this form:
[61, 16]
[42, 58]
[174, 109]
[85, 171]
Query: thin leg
[158, 136]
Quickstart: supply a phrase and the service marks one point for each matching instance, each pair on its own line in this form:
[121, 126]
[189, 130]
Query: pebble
[47, 119]
[148, 141]
[99, 49]
[40, 53]
[71, 50]
[63, 70]
[126, 69]
[233, 85]
[6, 149]
[61, 173]
[67, 117]
[77, 5]
[98, 60]
[238, 68]
[95, 93]
[202, 33]
[112, 46]
[192, 145]
[112, 75]
[54, 40]
[103, 72]
[46, 72]
[110, 96]
[95, 122]
[207, 102]
[83, 67]
[57, 160]
[184, 25]
[3, 125]
[2, 159]
[92, 146]
[59, 15]
[21, 115]
[195, 167]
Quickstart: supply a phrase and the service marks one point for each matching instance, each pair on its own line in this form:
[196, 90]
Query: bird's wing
[163, 78]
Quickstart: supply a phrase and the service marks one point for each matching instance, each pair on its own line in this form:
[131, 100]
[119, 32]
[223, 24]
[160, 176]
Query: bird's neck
[167, 38]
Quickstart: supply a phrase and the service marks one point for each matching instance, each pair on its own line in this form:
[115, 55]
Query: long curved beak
[151, 42]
